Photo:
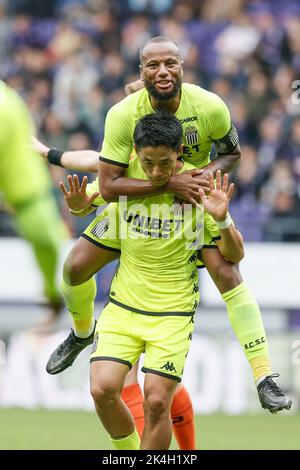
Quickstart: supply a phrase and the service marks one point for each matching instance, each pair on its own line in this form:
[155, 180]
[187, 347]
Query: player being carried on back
[206, 121]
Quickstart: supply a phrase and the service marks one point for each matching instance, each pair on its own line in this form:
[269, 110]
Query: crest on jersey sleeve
[191, 135]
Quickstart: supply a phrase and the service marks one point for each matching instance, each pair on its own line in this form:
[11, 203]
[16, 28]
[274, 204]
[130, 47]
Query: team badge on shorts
[100, 228]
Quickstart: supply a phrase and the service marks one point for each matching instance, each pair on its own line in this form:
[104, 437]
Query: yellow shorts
[103, 230]
[123, 335]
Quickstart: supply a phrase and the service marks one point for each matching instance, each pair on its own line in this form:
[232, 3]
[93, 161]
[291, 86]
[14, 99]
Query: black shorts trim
[202, 266]
[100, 245]
[155, 314]
[113, 162]
[162, 374]
[113, 359]
[216, 238]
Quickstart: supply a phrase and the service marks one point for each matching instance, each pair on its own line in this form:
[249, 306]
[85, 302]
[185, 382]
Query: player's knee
[104, 394]
[155, 406]
[74, 270]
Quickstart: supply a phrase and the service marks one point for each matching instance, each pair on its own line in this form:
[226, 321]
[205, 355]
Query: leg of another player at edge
[182, 413]
[243, 311]
[159, 392]
[183, 419]
[45, 237]
[79, 287]
[132, 396]
[107, 379]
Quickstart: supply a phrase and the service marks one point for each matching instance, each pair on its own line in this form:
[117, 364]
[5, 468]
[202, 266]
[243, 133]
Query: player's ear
[141, 73]
[180, 150]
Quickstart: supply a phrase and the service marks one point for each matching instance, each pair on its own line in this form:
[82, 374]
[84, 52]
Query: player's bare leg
[84, 260]
[182, 413]
[107, 379]
[159, 392]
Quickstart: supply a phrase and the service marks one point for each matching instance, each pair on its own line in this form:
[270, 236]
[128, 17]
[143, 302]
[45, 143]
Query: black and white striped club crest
[191, 135]
[100, 228]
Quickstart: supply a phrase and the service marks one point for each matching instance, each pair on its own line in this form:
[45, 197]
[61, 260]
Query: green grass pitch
[41, 429]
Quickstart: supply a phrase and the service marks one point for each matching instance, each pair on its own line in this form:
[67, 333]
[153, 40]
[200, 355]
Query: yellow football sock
[245, 319]
[131, 442]
[260, 366]
[80, 303]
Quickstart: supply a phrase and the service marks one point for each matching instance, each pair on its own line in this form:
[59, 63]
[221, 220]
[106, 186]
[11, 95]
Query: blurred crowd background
[70, 60]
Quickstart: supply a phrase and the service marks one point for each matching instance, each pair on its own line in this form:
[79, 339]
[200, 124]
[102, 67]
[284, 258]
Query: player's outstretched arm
[78, 160]
[231, 244]
[76, 197]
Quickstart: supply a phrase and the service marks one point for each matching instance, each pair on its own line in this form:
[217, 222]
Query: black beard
[163, 96]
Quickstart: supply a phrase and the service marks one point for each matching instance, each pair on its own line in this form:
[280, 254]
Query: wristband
[222, 224]
[54, 157]
[77, 212]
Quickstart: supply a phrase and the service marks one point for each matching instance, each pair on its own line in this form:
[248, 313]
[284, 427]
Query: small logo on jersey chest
[191, 135]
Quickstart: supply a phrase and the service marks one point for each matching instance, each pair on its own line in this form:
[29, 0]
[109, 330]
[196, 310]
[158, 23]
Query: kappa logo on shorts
[169, 366]
[95, 343]
[100, 228]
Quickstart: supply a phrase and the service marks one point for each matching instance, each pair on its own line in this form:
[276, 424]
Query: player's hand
[220, 194]
[39, 147]
[186, 185]
[76, 196]
[132, 87]
[203, 181]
